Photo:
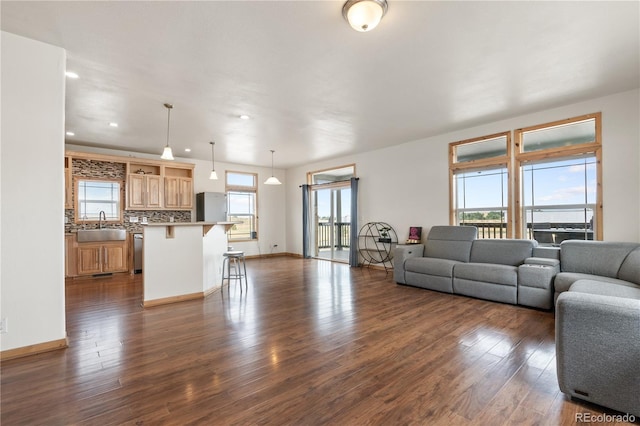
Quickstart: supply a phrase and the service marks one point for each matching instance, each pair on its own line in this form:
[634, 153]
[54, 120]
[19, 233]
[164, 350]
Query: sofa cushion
[564, 280]
[450, 242]
[606, 289]
[489, 273]
[594, 257]
[630, 268]
[503, 252]
[431, 266]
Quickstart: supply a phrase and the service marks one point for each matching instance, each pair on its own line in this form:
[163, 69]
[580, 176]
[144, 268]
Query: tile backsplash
[151, 215]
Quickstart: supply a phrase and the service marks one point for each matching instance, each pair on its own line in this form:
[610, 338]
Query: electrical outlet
[133, 219]
[4, 325]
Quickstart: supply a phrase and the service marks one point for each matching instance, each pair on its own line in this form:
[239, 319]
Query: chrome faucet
[101, 215]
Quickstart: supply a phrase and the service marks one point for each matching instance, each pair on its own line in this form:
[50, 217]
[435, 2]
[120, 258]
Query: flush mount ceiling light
[167, 154]
[213, 175]
[272, 180]
[364, 15]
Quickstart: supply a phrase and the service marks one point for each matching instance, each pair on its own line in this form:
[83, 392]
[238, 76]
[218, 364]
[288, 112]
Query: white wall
[408, 184]
[32, 188]
[271, 199]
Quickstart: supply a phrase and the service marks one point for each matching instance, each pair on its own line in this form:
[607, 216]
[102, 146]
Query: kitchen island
[182, 261]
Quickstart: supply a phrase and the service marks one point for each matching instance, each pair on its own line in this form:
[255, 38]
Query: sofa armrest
[543, 261]
[400, 255]
[598, 348]
[535, 282]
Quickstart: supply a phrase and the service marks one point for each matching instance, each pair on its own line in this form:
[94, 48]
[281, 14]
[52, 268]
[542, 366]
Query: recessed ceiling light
[71, 74]
[187, 150]
[113, 124]
[70, 134]
[244, 117]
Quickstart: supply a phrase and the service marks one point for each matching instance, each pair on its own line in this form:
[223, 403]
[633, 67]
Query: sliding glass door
[331, 225]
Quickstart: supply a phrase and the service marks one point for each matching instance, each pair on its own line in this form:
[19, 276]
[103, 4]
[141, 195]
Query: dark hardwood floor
[310, 342]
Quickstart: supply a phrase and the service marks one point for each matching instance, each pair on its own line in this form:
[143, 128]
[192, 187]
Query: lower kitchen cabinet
[100, 258]
[70, 252]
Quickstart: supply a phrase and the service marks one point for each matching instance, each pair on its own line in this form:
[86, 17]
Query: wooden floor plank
[310, 342]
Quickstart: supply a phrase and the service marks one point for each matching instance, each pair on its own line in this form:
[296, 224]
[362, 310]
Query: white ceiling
[314, 87]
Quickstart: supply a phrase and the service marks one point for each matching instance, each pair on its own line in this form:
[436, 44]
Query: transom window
[242, 190]
[329, 176]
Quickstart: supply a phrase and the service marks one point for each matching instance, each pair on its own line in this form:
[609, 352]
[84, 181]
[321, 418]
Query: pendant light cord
[213, 156]
[168, 124]
[169, 107]
[272, 151]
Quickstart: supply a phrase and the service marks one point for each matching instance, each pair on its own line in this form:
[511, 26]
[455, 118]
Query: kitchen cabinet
[68, 184]
[115, 257]
[178, 192]
[144, 186]
[178, 187]
[144, 192]
[102, 257]
[70, 249]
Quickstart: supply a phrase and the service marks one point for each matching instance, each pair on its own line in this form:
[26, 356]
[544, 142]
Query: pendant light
[272, 180]
[167, 154]
[213, 175]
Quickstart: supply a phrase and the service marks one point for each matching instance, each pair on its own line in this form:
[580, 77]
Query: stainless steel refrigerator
[211, 207]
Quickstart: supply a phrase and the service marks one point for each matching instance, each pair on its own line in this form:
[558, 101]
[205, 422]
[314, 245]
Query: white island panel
[182, 261]
[214, 244]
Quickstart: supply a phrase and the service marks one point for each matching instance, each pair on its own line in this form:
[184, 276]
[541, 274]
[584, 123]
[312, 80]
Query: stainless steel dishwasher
[137, 253]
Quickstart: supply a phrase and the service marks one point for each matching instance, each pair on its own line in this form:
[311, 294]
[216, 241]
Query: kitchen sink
[89, 235]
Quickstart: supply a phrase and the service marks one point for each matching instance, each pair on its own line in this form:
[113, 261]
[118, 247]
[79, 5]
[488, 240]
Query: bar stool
[235, 257]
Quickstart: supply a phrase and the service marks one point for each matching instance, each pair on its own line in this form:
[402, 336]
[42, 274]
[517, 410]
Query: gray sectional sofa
[453, 261]
[598, 323]
[595, 286]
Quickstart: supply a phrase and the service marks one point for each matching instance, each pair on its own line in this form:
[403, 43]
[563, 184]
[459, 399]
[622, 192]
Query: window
[558, 180]
[559, 199]
[241, 191]
[479, 182]
[481, 200]
[96, 196]
[545, 185]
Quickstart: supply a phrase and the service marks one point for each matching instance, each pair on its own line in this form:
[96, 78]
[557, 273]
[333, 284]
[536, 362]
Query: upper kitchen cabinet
[144, 187]
[178, 187]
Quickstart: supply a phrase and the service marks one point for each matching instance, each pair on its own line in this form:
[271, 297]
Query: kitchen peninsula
[182, 261]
